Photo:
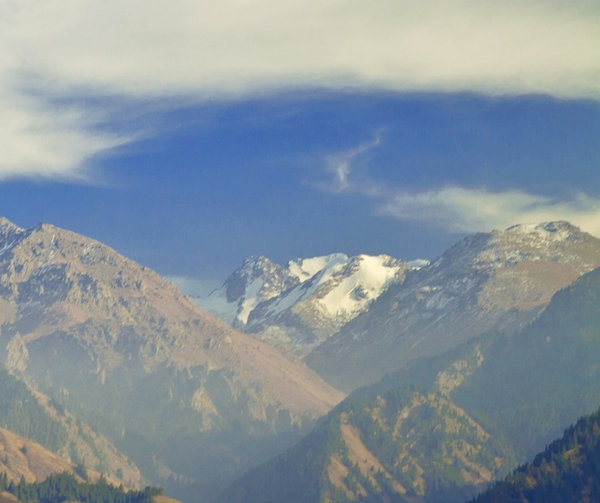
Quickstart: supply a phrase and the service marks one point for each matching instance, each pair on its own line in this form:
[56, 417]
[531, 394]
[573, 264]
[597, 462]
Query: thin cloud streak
[456, 209]
[43, 141]
[339, 167]
[234, 49]
[462, 210]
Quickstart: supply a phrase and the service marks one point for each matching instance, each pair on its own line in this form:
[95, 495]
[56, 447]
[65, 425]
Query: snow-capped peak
[309, 299]
[306, 268]
[548, 231]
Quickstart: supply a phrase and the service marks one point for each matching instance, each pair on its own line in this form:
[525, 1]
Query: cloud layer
[160, 46]
[235, 48]
[41, 140]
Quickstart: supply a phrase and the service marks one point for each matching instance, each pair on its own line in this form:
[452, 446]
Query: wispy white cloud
[42, 140]
[233, 48]
[338, 166]
[456, 209]
[459, 209]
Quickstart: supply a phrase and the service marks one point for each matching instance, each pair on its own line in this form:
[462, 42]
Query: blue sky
[189, 135]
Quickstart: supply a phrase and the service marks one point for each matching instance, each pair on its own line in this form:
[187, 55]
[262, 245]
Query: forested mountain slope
[567, 471]
[444, 427]
[39, 437]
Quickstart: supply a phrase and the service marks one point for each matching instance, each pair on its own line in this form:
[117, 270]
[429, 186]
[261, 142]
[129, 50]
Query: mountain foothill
[329, 379]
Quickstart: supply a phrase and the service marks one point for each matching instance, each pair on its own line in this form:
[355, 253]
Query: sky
[189, 135]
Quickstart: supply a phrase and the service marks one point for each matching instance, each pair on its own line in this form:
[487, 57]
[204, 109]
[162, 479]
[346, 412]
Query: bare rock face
[16, 354]
[500, 280]
[299, 306]
[119, 344]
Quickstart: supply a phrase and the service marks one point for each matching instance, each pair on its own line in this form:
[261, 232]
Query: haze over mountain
[173, 394]
[446, 426]
[192, 135]
[75, 446]
[188, 398]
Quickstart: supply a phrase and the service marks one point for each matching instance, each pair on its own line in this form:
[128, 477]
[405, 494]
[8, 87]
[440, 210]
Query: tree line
[65, 487]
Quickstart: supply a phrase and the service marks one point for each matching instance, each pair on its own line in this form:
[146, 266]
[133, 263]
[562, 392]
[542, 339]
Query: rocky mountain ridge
[499, 280]
[121, 348]
[341, 314]
[302, 304]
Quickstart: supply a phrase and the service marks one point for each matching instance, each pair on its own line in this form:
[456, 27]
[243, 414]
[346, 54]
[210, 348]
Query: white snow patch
[306, 268]
[336, 285]
[358, 290]
[546, 231]
[250, 299]
[418, 263]
[301, 292]
[348, 294]
[216, 303]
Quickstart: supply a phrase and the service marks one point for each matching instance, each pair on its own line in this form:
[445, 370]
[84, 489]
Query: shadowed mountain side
[567, 471]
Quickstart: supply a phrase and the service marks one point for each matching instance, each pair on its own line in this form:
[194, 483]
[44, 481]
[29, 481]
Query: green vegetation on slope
[568, 471]
[402, 444]
[293, 477]
[21, 413]
[65, 487]
[475, 413]
[531, 385]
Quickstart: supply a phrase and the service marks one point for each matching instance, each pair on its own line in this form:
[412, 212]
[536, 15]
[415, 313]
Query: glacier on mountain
[307, 300]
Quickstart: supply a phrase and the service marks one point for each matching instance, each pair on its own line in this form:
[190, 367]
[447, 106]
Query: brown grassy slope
[20, 457]
[56, 280]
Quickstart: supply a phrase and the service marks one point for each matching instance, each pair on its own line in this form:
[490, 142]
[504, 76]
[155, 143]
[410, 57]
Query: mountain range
[459, 369]
[189, 400]
[445, 427]
[300, 305]
[344, 314]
